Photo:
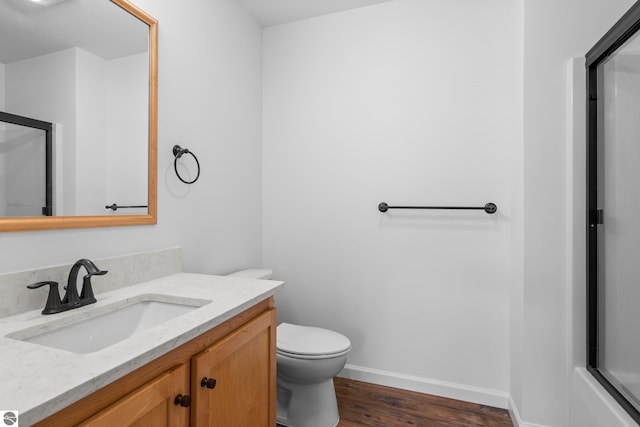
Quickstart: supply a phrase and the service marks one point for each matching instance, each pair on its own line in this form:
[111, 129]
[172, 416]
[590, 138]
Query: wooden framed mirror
[105, 156]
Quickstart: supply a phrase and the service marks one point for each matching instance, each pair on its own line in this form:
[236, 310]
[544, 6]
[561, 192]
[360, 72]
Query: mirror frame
[65, 222]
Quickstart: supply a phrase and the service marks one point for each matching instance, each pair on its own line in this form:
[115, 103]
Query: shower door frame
[627, 27]
[47, 209]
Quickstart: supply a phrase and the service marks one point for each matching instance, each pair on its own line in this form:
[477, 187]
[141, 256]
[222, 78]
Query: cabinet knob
[182, 400]
[208, 382]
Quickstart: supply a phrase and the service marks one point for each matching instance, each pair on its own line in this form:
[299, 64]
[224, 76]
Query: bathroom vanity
[209, 366]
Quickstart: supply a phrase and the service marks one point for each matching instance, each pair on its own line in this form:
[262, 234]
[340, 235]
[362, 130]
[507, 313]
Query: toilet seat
[307, 342]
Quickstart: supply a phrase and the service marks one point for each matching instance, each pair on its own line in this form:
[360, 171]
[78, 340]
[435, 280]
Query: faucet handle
[53, 299]
[92, 269]
[87, 290]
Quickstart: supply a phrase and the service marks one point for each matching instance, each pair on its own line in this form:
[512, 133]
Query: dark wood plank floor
[369, 405]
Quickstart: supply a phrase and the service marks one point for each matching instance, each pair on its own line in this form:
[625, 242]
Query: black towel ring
[178, 152]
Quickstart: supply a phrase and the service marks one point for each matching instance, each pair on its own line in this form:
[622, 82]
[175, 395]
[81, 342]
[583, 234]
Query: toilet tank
[254, 273]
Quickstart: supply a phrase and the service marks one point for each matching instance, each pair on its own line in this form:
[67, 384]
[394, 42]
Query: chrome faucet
[71, 298]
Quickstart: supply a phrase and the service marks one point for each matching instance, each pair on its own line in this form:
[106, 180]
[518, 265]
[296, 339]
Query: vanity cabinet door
[151, 405]
[233, 382]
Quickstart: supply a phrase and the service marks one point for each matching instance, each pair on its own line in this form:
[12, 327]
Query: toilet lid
[307, 340]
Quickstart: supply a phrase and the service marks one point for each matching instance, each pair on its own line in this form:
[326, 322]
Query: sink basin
[87, 335]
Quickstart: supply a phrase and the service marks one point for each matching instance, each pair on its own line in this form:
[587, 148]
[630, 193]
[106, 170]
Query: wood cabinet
[236, 360]
[151, 405]
[232, 379]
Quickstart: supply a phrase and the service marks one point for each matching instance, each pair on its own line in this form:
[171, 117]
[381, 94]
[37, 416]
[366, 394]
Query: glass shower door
[618, 234]
[25, 167]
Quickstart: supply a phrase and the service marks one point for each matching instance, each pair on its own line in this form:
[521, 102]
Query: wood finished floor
[369, 405]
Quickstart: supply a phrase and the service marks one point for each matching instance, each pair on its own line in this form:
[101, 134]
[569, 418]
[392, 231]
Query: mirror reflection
[83, 68]
[25, 163]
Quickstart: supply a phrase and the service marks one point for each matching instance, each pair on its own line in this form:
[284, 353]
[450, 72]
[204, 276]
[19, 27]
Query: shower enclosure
[26, 187]
[613, 209]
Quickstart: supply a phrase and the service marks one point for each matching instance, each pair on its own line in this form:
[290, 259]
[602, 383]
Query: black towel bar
[115, 207]
[489, 208]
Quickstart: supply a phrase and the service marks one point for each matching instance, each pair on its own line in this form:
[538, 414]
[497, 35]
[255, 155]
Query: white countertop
[39, 381]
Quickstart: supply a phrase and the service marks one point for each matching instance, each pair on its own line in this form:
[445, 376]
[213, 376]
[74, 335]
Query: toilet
[307, 359]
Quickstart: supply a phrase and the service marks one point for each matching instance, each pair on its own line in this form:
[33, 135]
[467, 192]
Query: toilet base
[306, 405]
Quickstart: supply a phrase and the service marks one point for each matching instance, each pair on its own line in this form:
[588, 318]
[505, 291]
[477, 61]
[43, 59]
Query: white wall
[3, 171]
[44, 88]
[91, 134]
[2, 85]
[3, 189]
[209, 101]
[400, 102]
[128, 100]
[106, 110]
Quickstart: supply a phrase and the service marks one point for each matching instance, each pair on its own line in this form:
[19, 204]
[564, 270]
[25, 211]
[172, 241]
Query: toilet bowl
[307, 359]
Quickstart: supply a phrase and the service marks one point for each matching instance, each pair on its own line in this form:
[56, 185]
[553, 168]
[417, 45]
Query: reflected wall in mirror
[25, 166]
[88, 68]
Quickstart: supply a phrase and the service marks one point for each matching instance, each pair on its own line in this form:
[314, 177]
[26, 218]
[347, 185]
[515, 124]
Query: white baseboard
[515, 416]
[467, 393]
